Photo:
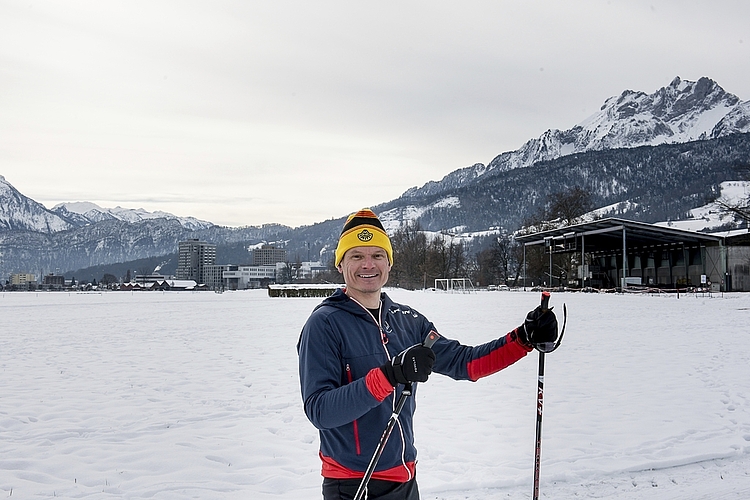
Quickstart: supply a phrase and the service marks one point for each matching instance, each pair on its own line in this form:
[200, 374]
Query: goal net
[454, 285]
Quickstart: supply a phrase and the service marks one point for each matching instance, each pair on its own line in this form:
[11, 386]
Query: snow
[395, 218]
[610, 210]
[94, 212]
[567, 149]
[79, 207]
[713, 215]
[195, 395]
[448, 202]
[705, 122]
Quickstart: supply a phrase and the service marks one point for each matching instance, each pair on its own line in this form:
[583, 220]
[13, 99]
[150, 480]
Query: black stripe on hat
[360, 220]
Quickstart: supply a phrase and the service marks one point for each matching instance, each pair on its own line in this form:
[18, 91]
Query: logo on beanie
[365, 235]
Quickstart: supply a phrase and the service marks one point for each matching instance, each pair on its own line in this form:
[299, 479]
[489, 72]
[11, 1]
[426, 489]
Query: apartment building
[193, 259]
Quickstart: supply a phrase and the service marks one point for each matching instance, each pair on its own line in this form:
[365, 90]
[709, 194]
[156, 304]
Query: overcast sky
[246, 112]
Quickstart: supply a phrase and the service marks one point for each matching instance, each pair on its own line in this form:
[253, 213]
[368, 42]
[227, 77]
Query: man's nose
[369, 261]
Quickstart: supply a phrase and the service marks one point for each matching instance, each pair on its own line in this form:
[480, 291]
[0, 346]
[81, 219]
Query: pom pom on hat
[363, 229]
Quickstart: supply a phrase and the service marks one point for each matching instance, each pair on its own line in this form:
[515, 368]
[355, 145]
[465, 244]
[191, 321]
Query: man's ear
[341, 269]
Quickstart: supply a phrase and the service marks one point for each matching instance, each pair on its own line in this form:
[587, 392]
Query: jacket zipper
[383, 336]
[356, 427]
[383, 342]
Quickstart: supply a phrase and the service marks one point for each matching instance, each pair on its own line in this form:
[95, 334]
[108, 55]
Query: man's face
[365, 269]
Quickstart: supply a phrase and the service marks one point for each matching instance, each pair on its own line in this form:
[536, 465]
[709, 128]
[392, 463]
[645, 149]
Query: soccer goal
[454, 285]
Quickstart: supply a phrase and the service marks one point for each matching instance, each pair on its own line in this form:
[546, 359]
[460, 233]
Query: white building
[248, 276]
[310, 269]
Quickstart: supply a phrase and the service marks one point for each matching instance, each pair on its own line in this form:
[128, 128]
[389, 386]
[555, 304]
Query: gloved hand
[413, 364]
[540, 327]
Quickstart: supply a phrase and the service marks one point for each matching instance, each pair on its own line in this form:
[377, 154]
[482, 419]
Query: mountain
[18, 212]
[647, 183]
[112, 241]
[683, 111]
[82, 213]
[648, 157]
[78, 235]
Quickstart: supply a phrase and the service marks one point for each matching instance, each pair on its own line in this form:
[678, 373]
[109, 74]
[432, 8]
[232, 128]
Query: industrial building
[617, 253]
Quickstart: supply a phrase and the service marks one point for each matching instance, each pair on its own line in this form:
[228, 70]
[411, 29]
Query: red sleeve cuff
[378, 384]
[505, 355]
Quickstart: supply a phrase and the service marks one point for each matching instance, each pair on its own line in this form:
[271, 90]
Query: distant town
[196, 270]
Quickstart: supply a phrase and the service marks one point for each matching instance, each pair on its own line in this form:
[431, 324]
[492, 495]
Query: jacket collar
[341, 300]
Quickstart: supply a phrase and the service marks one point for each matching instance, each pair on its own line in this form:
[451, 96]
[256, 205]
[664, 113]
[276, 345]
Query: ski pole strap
[552, 346]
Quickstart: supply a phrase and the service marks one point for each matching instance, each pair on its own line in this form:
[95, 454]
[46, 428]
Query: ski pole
[543, 348]
[408, 390]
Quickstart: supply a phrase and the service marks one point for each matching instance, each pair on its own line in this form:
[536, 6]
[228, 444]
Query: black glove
[413, 364]
[540, 327]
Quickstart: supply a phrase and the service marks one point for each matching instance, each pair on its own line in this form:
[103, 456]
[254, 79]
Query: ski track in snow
[196, 395]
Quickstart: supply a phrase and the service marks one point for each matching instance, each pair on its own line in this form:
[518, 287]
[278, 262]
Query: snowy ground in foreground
[195, 395]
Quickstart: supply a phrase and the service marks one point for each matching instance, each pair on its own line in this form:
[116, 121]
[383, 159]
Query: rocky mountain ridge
[683, 111]
[82, 213]
[19, 212]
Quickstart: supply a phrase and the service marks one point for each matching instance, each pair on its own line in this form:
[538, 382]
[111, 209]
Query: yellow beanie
[363, 229]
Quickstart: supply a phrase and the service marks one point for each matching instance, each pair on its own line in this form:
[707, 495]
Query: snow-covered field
[195, 395]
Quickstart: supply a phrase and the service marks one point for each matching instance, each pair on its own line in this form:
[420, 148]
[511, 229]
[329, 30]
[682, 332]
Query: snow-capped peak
[85, 212]
[18, 212]
[77, 207]
[683, 111]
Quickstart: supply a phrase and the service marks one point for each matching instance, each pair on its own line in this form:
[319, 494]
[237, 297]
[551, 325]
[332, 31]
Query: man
[357, 350]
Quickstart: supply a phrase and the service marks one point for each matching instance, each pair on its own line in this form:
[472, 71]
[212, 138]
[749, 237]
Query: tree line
[421, 257]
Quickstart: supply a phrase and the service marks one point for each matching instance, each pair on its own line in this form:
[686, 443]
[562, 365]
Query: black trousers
[345, 489]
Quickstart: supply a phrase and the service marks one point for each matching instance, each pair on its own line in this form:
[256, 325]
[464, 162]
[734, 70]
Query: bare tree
[568, 206]
[418, 262]
[285, 273]
[330, 275]
[563, 208]
[741, 209]
[410, 254]
[497, 264]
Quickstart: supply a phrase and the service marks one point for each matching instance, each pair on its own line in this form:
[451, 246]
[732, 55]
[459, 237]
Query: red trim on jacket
[354, 423]
[398, 474]
[498, 359]
[378, 385]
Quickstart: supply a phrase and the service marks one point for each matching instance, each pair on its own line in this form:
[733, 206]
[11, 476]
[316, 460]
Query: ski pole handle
[545, 301]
